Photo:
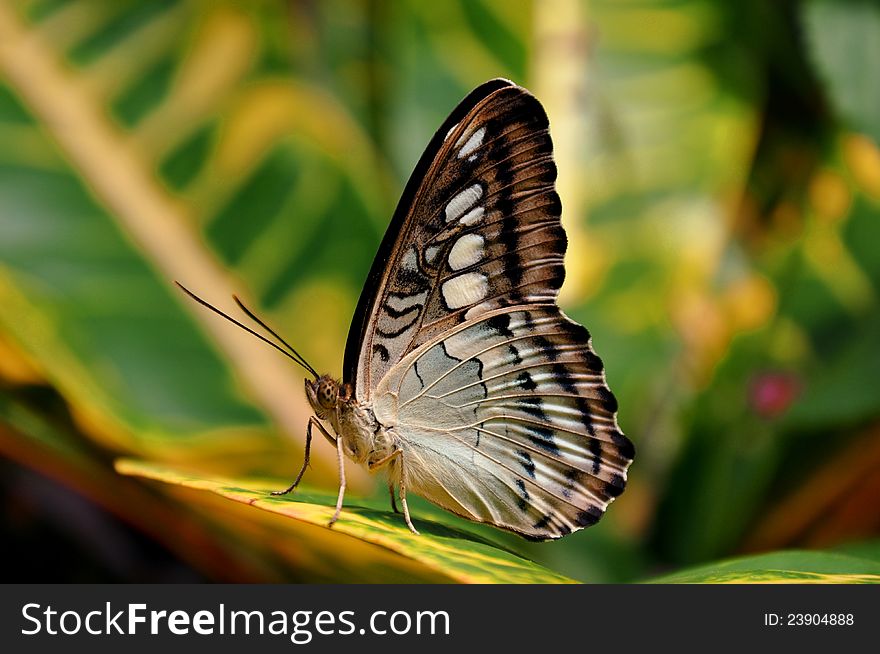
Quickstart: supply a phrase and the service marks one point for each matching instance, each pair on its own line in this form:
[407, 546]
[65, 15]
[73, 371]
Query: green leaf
[844, 38]
[869, 550]
[458, 555]
[837, 393]
[795, 566]
[183, 149]
[85, 281]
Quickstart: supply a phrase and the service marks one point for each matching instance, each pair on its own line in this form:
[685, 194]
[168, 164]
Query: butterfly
[461, 376]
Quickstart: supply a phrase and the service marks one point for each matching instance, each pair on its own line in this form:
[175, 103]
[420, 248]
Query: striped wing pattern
[482, 231]
[497, 399]
[508, 420]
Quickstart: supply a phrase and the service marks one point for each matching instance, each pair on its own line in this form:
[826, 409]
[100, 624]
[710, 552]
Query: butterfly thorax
[363, 438]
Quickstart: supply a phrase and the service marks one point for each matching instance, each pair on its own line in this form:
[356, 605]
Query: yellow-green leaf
[457, 555]
[793, 566]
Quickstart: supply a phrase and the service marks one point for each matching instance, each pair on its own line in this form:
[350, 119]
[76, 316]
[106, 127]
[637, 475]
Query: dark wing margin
[360, 320]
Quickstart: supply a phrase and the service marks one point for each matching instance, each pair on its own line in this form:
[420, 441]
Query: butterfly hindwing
[508, 419]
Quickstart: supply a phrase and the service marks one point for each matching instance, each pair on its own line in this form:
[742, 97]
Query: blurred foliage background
[720, 176]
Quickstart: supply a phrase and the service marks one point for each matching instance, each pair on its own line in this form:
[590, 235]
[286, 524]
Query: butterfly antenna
[257, 320]
[246, 328]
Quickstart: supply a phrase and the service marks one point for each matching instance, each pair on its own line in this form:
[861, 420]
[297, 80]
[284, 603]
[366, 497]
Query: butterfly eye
[327, 394]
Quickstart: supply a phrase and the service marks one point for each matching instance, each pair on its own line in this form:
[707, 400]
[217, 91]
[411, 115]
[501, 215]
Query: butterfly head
[323, 394]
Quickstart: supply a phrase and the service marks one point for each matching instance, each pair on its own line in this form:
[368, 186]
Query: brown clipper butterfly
[461, 376]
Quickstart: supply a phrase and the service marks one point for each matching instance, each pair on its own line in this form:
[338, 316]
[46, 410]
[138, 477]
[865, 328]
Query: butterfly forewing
[497, 399]
[482, 230]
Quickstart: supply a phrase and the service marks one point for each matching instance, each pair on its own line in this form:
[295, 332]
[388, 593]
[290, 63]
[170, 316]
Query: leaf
[869, 550]
[837, 393]
[142, 144]
[844, 44]
[94, 310]
[794, 566]
[455, 554]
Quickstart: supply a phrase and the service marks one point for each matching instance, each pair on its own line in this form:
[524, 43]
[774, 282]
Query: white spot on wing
[465, 289]
[470, 313]
[473, 216]
[466, 251]
[431, 253]
[463, 201]
[475, 141]
[410, 261]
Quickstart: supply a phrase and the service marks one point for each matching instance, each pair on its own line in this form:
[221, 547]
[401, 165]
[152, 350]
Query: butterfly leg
[312, 421]
[386, 461]
[403, 500]
[341, 458]
[391, 494]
